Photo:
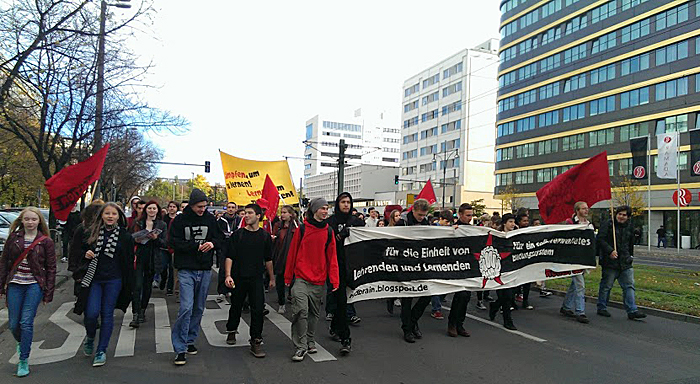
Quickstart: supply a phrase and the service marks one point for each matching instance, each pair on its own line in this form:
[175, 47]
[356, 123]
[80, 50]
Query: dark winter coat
[341, 224]
[280, 250]
[149, 254]
[409, 220]
[625, 245]
[42, 261]
[187, 232]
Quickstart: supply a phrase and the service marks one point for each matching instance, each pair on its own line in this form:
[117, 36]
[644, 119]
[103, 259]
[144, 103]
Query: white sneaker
[221, 298]
[397, 303]
[281, 309]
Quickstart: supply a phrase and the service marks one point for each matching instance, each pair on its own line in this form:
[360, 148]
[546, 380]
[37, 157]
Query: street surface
[668, 257]
[547, 349]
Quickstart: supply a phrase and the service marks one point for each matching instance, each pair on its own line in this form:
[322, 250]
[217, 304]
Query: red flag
[66, 186]
[588, 181]
[272, 196]
[427, 193]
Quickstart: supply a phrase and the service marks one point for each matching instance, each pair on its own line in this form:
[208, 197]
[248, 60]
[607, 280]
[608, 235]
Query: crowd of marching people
[117, 261]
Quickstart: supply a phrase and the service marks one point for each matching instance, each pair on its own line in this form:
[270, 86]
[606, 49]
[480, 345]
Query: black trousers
[480, 295]
[459, 308]
[526, 292]
[506, 297]
[279, 285]
[340, 324]
[143, 286]
[411, 314]
[253, 289]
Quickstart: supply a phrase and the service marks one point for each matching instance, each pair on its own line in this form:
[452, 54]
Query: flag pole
[612, 214]
[648, 192]
[678, 200]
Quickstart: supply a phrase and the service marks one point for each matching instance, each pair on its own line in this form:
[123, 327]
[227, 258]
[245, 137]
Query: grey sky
[248, 74]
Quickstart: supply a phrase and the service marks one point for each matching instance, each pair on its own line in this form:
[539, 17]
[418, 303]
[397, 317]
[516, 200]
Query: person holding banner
[506, 296]
[311, 261]
[341, 222]
[27, 277]
[574, 304]
[616, 251]
[410, 314]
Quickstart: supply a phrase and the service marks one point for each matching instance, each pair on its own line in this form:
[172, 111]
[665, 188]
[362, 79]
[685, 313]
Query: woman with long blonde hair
[27, 277]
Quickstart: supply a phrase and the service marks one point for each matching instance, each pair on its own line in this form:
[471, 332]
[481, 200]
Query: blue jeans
[625, 279]
[101, 302]
[194, 287]
[22, 303]
[662, 240]
[575, 296]
[435, 303]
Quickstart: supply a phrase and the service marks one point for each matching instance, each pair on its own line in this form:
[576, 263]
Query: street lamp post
[445, 156]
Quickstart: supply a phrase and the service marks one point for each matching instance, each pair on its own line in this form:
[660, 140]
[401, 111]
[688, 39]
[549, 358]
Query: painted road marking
[496, 325]
[209, 319]
[286, 327]
[126, 343]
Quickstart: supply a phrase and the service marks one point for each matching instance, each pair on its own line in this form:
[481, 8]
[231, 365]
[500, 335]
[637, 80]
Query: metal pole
[341, 166]
[454, 190]
[649, 192]
[678, 200]
[99, 97]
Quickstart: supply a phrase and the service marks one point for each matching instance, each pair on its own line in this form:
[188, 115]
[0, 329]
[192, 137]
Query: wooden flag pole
[612, 213]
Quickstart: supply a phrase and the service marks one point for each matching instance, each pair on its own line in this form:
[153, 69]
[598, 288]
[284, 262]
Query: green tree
[478, 207]
[160, 189]
[200, 182]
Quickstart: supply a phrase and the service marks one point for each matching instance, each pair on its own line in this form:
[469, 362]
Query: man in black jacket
[411, 315]
[455, 321]
[340, 222]
[617, 263]
[228, 223]
[194, 235]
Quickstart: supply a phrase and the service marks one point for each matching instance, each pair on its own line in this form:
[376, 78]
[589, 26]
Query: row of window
[608, 136]
[664, 55]
[342, 126]
[628, 33]
[621, 167]
[444, 128]
[430, 166]
[533, 16]
[628, 99]
[435, 96]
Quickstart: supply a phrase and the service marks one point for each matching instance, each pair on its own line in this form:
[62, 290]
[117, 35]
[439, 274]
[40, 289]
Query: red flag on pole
[66, 186]
[272, 195]
[588, 181]
[427, 193]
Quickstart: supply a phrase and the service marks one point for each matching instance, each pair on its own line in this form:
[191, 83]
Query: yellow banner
[245, 179]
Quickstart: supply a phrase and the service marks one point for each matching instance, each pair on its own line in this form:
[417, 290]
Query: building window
[505, 129]
[549, 90]
[602, 105]
[603, 74]
[451, 89]
[506, 80]
[576, 23]
[625, 167]
[429, 133]
[453, 126]
[549, 63]
[550, 7]
[547, 174]
[548, 146]
[509, 29]
[627, 4]
[631, 131]
[636, 30]
[603, 12]
[430, 98]
[431, 81]
[602, 137]
[548, 118]
[429, 116]
[525, 177]
[672, 17]
[526, 124]
[504, 154]
[671, 53]
[551, 35]
[508, 54]
[634, 64]
[528, 71]
[410, 122]
[573, 142]
[672, 88]
[410, 106]
[574, 112]
[575, 53]
[672, 124]
[634, 98]
[569, 2]
[529, 18]
[309, 131]
[452, 70]
[574, 83]
[411, 90]
[526, 98]
[604, 42]
[525, 150]
[449, 145]
[506, 104]
[429, 150]
[527, 45]
[456, 106]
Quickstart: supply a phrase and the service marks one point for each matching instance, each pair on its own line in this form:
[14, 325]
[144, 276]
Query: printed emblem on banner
[696, 168]
[639, 172]
[490, 262]
[667, 139]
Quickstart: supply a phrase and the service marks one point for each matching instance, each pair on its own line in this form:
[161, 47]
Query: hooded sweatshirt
[309, 258]
[340, 223]
[187, 232]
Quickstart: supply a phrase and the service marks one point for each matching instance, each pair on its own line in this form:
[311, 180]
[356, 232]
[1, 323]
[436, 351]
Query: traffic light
[396, 179]
[207, 166]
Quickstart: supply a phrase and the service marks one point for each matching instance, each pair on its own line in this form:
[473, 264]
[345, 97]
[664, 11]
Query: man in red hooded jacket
[311, 260]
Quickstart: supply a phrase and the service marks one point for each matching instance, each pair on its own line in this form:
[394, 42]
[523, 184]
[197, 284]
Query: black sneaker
[416, 332]
[334, 336]
[408, 336]
[636, 315]
[566, 312]
[181, 359]
[583, 319]
[191, 350]
[266, 312]
[603, 312]
[231, 338]
[345, 347]
[354, 320]
[299, 355]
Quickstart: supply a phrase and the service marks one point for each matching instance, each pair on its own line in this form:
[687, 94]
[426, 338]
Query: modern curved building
[578, 77]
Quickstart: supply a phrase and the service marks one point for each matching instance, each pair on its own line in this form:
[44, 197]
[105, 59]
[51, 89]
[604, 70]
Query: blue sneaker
[99, 360]
[23, 368]
[89, 346]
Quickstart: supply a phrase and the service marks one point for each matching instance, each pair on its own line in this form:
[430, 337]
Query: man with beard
[340, 222]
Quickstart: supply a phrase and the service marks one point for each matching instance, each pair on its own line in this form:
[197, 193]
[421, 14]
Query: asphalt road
[547, 349]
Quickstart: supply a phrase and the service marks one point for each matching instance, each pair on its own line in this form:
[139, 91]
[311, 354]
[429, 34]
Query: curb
[649, 311]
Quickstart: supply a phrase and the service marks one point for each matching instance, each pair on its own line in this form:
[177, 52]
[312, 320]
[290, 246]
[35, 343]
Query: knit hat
[197, 196]
[316, 204]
